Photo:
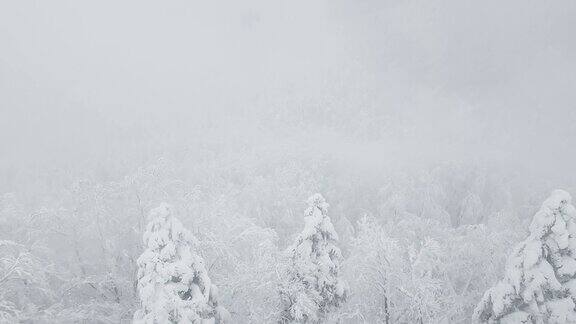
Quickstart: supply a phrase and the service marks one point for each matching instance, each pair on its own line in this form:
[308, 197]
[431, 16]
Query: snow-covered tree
[539, 285]
[471, 210]
[312, 287]
[173, 283]
[251, 280]
[26, 272]
[24, 279]
[375, 264]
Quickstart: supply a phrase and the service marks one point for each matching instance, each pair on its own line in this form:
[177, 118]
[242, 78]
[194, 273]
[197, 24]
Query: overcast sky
[88, 77]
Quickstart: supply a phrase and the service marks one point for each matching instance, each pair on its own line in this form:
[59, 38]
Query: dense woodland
[290, 161]
[417, 245]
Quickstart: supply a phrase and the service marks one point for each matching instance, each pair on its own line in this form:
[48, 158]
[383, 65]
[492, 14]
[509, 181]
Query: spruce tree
[312, 288]
[173, 284]
[539, 285]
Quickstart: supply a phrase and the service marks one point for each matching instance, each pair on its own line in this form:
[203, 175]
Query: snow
[311, 285]
[173, 283]
[539, 279]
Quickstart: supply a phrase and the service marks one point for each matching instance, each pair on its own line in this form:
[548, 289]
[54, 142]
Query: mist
[354, 99]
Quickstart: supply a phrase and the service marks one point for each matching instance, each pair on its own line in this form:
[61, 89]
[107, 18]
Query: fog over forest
[422, 143]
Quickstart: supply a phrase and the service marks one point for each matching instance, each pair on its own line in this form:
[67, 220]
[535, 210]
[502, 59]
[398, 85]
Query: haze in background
[108, 85]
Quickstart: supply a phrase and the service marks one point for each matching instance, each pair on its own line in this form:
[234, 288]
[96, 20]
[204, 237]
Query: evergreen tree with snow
[173, 284]
[539, 285]
[312, 287]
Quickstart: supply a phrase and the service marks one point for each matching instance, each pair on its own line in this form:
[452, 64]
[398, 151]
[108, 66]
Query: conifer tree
[539, 285]
[173, 284]
[312, 287]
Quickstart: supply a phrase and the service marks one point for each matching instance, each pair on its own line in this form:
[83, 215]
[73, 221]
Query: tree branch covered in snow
[539, 284]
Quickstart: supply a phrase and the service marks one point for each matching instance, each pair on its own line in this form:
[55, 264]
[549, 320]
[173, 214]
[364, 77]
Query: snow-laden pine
[173, 284]
[539, 285]
[312, 287]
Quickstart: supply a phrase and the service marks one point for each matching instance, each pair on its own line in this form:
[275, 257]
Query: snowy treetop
[163, 229]
[316, 219]
[558, 204]
[318, 201]
[540, 279]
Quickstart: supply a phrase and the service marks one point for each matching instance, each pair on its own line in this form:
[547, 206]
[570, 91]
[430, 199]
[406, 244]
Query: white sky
[85, 79]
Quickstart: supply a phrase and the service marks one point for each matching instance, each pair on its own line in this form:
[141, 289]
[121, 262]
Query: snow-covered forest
[287, 161]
